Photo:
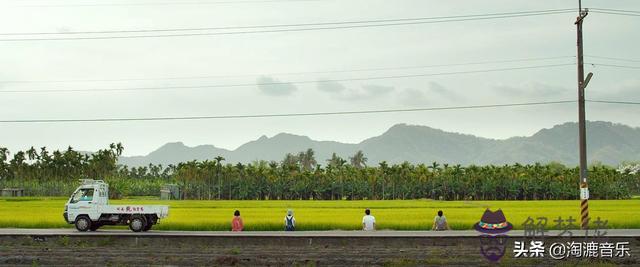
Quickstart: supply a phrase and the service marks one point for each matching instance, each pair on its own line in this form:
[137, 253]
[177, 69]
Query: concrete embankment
[383, 248]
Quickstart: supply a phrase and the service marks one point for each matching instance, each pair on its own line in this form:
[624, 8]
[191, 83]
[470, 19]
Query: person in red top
[236, 223]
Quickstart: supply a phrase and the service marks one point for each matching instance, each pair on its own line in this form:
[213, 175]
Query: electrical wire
[339, 25]
[292, 25]
[377, 111]
[615, 10]
[616, 13]
[614, 58]
[295, 73]
[249, 116]
[613, 66]
[283, 83]
[614, 102]
[168, 3]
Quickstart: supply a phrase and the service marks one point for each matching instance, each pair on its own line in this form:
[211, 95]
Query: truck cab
[88, 208]
[86, 199]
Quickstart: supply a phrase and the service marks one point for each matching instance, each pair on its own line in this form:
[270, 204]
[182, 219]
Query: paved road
[467, 233]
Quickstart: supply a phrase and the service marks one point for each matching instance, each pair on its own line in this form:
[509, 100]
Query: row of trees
[58, 165]
[300, 176]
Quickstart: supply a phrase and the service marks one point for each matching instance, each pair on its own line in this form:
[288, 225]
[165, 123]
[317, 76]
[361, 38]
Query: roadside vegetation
[303, 177]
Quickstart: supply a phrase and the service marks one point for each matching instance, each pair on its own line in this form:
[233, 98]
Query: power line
[286, 114]
[613, 66]
[614, 58]
[282, 83]
[615, 10]
[169, 3]
[248, 116]
[614, 102]
[552, 11]
[296, 73]
[617, 13]
[343, 25]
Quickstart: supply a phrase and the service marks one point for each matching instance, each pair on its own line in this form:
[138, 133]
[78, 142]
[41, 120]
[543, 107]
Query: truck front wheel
[137, 223]
[83, 223]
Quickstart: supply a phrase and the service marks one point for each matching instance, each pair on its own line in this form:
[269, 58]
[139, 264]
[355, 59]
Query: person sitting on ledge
[440, 223]
[289, 221]
[368, 221]
[236, 223]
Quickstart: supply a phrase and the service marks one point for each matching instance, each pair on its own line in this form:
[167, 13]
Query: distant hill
[608, 143]
[174, 153]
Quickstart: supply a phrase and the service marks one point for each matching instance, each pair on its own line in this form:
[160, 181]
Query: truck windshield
[85, 194]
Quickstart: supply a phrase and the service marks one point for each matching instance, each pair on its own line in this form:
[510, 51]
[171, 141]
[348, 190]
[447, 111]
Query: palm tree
[307, 159]
[335, 161]
[119, 149]
[4, 171]
[18, 164]
[240, 169]
[218, 161]
[290, 162]
[4, 153]
[384, 168]
[44, 154]
[358, 160]
[435, 167]
[32, 153]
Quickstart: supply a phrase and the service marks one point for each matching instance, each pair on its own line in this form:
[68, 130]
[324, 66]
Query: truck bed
[162, 211]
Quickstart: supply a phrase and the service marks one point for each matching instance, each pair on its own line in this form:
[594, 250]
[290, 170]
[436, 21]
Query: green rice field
[213, 215]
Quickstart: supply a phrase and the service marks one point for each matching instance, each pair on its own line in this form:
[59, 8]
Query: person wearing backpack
[289, 221]
[440, 222]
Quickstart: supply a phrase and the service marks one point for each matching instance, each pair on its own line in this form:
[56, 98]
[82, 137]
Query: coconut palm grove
[303, 177]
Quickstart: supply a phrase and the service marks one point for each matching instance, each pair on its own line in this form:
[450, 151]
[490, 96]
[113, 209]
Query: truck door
[82, 202]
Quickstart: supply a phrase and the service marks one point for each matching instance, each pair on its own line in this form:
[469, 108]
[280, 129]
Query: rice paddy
[214, 215]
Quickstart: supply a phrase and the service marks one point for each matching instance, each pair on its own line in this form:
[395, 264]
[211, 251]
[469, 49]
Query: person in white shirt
[440, 223]
[368, 221]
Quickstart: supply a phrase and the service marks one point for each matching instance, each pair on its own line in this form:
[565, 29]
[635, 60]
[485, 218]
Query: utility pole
[582, 139]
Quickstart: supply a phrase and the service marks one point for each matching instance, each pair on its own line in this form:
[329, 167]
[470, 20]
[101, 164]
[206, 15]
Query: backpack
[289, 226]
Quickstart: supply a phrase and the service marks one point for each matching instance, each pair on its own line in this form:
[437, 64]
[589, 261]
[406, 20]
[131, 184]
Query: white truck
[88, 208]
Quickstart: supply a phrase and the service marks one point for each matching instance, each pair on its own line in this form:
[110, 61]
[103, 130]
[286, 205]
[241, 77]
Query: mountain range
[607, 143]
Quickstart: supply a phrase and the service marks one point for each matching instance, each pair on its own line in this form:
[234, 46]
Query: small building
[170, 191]
[165, 194]
[12, 192]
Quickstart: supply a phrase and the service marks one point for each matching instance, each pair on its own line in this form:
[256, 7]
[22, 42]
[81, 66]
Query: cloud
[273, 87]
[377, 90]
[625, 91]
[330, 86]
[64, 29]
[366, 92]
[413, 97]
[434, 93]
[443, 92]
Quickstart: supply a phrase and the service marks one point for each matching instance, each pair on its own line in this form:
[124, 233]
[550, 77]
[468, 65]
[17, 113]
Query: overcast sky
[260, 58]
